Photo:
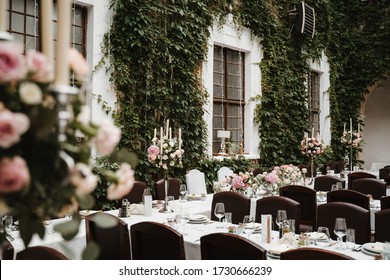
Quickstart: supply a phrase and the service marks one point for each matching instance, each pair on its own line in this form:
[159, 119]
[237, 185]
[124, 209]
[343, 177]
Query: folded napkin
[289, 239]
[277, 249]
[137, 209]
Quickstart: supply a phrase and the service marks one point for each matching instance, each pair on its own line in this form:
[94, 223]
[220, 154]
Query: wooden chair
[7, 250]
[384, 172]
[136, 193]
[375, 187]
[224, 172]
[324, 183]
[271, 205]
[238, 204]
[156, 241]
[355, 216]
[40, 253]
[257, 171]
[385, 202]
[227, 246]
[312, 254]
[350, 196]
[339, 166]
[173, 188]
[196, 183]
[114, 242]
[307, 198]
[382, 228]
[358, 175]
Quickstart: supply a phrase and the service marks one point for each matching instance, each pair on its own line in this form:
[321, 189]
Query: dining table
[192, 232]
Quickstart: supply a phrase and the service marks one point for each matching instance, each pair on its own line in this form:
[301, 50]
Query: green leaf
[123, 155]
[86, 201]
[104, 220]
[91, 252]
[68, 229]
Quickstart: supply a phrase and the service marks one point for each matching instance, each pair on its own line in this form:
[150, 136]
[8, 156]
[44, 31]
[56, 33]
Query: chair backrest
[40, 253]
[384, 172]
[257, 171]
[349, 196]
[238, 204]
[358, 175]
[385, 202]
[382, 229]
[7, 250]
[339, 166]
[173, 188]
[136, 193]
[324, 183]
[155, 241]
[355, 216]
[271, 205]
[227, 246]
[113, 242]
[196, 183]
[312, 254]
[307, 199]
[223, 172]
[375, 187]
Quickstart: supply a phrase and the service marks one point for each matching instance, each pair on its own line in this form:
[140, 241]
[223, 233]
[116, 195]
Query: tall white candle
[167, 128]
[170, 133]
[161, 140]
[179, 138]
[358, 128]
[155, 136]
[312, 132]
[3, 15]
[350, 125]
[47, 33]
[63, 42]
[344, 127]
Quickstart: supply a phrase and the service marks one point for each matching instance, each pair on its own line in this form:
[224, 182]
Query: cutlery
[357, 249]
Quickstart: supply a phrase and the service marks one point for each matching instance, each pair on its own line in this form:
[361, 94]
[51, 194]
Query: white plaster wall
[228, 36]
[322, 66]
[376, 131]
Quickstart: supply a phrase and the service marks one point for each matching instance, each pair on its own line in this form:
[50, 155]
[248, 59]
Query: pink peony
[153, 150]
[125, 183]
[14, 174]
[107, 137]
[78, 64]
[11, 62]
[38, 66]
[12, 125]
[237, 182]
[272, 178]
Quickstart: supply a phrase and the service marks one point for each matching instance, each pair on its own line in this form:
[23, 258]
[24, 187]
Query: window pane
[17, 23]
[18, 5]
[78, 35]
[30, 6]
[78, 20]
[30, 43]
[31, 25]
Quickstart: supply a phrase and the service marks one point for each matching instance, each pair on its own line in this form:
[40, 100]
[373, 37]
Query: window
[228, 96]
[314, 100]
[23, 21]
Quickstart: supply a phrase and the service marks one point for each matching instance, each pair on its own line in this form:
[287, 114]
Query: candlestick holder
[165, 208]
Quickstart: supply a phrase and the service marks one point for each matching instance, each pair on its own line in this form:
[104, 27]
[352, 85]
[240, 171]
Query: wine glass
[340, 229]
[183, 191]
[249, 225]
[219, 212]
[281, 217]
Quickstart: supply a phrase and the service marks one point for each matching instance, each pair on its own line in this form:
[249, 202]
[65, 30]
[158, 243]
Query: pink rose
[38, 66]
[272, 178]
[78, 64]
[107, 137]
[12, 125]
[11, 62]
[14, 174]
[237, 182]
[153, 150]
[124, 185]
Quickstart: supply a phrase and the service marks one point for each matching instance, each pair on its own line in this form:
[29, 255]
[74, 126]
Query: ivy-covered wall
[157, 46]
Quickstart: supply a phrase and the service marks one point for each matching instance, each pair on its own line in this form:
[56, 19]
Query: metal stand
[165, 208]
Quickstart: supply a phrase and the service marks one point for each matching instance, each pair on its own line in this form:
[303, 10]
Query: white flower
[125, 183]
[83, 179]
[107, 137]
[30, 93]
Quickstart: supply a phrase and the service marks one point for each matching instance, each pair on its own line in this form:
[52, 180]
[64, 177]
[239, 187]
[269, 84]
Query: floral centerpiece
[240, 182]
[311, 146]
[289, 174]
[269, 182]
[352, 141]
[43, 175]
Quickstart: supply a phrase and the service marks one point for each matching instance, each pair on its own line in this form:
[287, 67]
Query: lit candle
[179, 138]
[3, 13]
[63, 42]
[47, 34]
[167, 129]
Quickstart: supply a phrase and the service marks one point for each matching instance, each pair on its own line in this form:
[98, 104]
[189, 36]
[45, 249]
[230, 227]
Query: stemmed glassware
[219, 212]
[281, 217]
[183, 191]
[340, 229]
[249, 225]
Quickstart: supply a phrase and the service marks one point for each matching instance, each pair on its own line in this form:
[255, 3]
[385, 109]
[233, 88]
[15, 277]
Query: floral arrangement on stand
[45, 160]
[352, 140]
[312, 147]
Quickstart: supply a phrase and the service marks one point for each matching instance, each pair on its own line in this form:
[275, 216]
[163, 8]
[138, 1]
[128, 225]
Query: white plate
[314, 235]
[374, 248]
[256, 226]
[198, 217]
[369, 253]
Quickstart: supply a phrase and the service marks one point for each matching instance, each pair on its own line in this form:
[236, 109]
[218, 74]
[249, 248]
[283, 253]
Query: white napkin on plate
[137, 209]
[289, 239]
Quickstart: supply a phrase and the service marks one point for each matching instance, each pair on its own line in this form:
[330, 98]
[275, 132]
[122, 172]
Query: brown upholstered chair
[312, 254]
[384, 172]
[227, 246]
[113, 242]
[7, 250]
[173, 188]
[40, 253]
[307, 198]
[339, 166]
[385, 202]
[382, 229]
[358, 175]
[349, 196]
[156, 241]
[324, 183]
[257, 171]
[136, 193]
[238, 204]
[375, 187]
[271, 205]
[355, 216]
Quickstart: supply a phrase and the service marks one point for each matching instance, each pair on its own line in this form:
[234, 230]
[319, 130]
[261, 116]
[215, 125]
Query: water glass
[350, 239]
[228, 219]
[323, 237]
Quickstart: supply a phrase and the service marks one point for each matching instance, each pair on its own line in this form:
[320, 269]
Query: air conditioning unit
[305, 21]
